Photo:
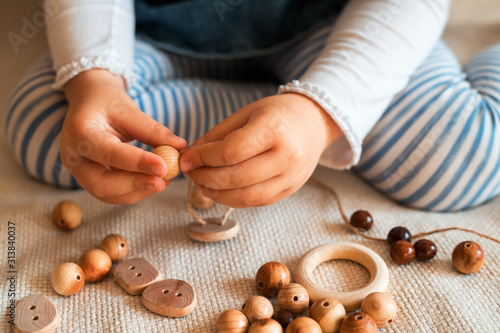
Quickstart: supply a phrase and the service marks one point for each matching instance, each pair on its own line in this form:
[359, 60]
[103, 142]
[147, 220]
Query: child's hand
[101, 118]
[262, 153]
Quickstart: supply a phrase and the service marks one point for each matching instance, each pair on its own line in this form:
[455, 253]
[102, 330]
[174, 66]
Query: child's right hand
[101, 118]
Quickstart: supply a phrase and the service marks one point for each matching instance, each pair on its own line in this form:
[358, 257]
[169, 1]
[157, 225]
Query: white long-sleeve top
[374, 48]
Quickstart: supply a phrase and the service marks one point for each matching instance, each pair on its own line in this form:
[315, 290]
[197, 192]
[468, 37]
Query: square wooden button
[134, 275]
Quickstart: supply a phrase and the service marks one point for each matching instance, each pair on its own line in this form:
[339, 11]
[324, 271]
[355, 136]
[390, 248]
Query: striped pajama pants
[436, 147]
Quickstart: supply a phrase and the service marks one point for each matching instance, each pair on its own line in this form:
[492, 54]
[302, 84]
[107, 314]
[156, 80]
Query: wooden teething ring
[379, 274]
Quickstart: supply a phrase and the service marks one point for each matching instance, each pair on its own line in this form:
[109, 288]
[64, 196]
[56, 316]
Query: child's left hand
[262, 153]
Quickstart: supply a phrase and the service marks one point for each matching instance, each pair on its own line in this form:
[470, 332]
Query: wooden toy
[358, 322]
[271, 277]
[468, 257]
[265, 326]
[402, 252]
[66, 215]
[35, 313]
[362, 220]
[381, 307]
[171, 156]
[398, 233]
[67, 279]
[294, 298]
[171, 298]
[134, 275]
[232, 321]
[351, 300]
[96, 265]
[425, 249]
[284, 318]
[199, 200]
[256, 308]
[115, 246]
[303, 325]
[329, 313]
[213, 230]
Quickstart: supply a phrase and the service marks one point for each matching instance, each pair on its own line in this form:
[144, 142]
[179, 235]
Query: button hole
[32, 307]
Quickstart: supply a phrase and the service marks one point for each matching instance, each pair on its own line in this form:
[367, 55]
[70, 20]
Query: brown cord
[195, 215]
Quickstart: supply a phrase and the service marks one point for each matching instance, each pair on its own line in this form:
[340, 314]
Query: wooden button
[213, 231]
[134, 275]
[171, 298]
[35, 313]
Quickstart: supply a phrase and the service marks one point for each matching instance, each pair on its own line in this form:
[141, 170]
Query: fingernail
[151, 187]
[158, 170]
[185, 166]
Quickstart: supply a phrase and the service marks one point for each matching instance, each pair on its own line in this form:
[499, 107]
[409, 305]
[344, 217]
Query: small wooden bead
[402, 252]
[425, 249]
[358, 322]
[256, 308]
[468, 257]
[381, 307]
[35, 313]
[362, 220]
[284, 318]
[303, 325]
[67, 279]
[398, 233]
[329, 313]
[67, 215]
[115, 246]
[271, 277]
[199, 200]
[171, 156]
[96, 265]
[232, 321]
[135, 274]
[171, 298]
[294, 298]
[265, 326]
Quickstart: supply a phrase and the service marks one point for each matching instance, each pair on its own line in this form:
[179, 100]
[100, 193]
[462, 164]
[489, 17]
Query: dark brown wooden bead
[402, 252]
[271, 277]
[398, 233]
[358, 322]
[362, 220]
[468, 257]
[284, 318]
[425, 249]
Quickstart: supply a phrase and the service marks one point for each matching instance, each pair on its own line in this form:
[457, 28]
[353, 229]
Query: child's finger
[129, 198]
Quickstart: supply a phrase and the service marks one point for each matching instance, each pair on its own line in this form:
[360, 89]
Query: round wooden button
[213, 231]
[379, 274]
[171, 298]
[35, 313]
[134, 275]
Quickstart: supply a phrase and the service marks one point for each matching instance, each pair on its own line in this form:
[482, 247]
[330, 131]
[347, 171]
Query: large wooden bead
[398, 233]
[468, 257]
[362, 220]
[294, 298]
[35, 313]
[303, 325]
[199, 200]
[171, 157]
[232, 321]
[283, 317]
[402, 252]
[329, 313]
[425, 249]
[256, 308]
[96, 265]
[265, 326]
[358, 322]
[67, 215]
[271, 277]
[115, 246]
[171, 298]
[381, 307]
[67, 279]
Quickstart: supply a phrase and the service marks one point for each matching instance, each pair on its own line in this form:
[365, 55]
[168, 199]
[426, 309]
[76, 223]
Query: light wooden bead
[257, 307]
[265, 326]
[67, 215]
[329, 313]
[303, 325]
[171, 156]
[468, 257]
[35, 313]
[271, 277]
[115, 246]
[67, 279]
[96, 265]
[294, 298]
[381, 307]
[199, 200]
[232, 321]
[358, 322]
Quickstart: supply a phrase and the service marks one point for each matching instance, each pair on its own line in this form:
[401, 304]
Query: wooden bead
[381, 307]
[66, 215]
[265, 326]
[329, 313]
[284, 318]
[425, 249]
[271, 277]
[294, 298]
[35, 313]
[213, 231]
[115, 246]
[96, 265]
[358, 322]
[67, 279]
[303, 325]
[362, 220]
[232, 321]
[199, 200]
[468, 257]
[171, 157]
[135, 274]
[398, 233]
[256, 308]
[171, 298]
[402, 252]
